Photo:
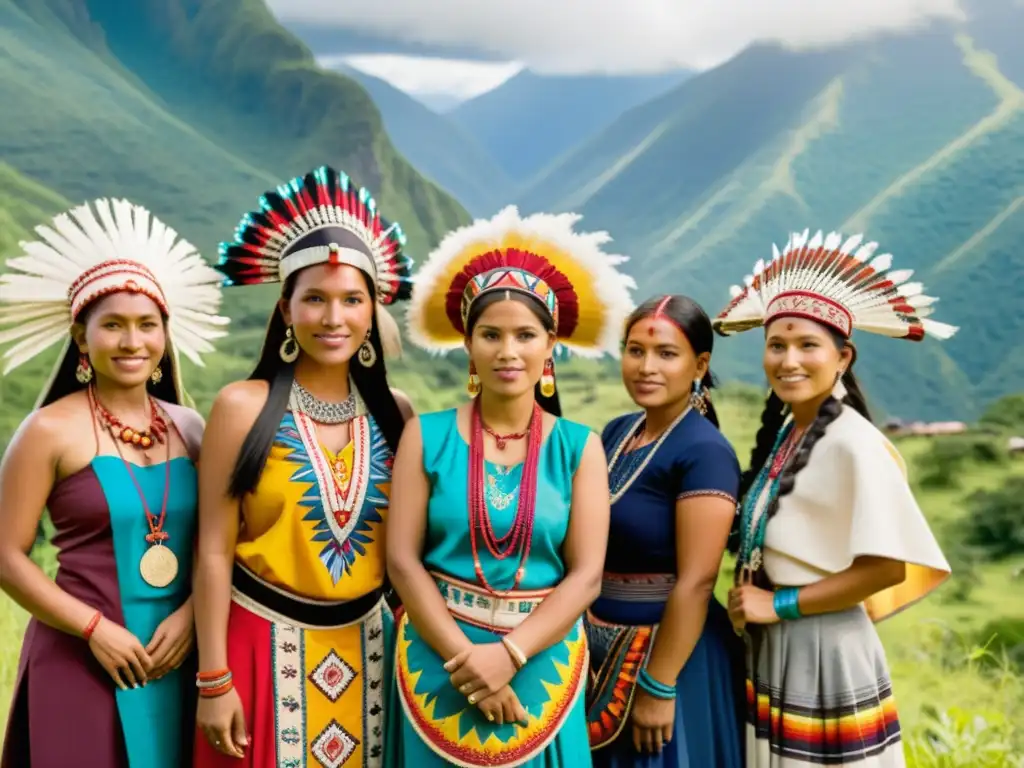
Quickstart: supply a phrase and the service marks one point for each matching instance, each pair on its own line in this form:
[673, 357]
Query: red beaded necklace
[502, 440]
[156, 534]
[141, 439]
[520, 534]
[785, 451]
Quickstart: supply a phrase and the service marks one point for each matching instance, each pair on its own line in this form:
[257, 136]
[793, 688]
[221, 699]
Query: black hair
[550, 404]
[372, 383]
[695, 324]
[65, 383]
[772, 417]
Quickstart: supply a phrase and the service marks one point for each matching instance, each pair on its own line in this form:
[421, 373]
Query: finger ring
[490, 717]
[472, 698]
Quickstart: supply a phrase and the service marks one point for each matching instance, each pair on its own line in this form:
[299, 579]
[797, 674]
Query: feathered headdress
[839, 283]
[321, 218]
[85, 254]
[540, 255]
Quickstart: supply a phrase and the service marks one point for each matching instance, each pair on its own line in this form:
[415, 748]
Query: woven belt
[473, 604]
[638, 587]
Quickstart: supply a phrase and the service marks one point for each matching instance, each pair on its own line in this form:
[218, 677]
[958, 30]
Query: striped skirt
[819, 693]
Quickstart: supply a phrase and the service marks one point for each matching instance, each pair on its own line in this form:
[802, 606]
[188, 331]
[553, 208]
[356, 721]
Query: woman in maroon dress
[110, 452]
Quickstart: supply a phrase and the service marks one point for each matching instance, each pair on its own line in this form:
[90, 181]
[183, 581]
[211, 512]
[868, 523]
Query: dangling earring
[547, 379]
[157, 376]
[367, 354]
[289, 347]
[698, 399]
[473, 385]
[84, 370]
[839, 389]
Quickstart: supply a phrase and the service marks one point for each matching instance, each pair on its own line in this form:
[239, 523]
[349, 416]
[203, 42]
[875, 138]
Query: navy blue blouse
[694, 459]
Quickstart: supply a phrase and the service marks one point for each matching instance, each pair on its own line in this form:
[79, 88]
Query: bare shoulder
[241, 398]
[404, 404]
[52, 421]
[60, 433]
[189, 423]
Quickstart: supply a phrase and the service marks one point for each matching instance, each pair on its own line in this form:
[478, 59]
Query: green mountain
[192, 108]
[438, 148]
[915, 140]
[530, 120]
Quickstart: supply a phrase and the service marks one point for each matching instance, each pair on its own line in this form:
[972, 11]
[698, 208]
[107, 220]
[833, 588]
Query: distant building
[924, 428]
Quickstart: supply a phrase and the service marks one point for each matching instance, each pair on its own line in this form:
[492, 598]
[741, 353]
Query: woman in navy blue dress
[666, 666]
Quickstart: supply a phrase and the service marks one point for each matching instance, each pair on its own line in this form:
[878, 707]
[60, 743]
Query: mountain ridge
[698, 183]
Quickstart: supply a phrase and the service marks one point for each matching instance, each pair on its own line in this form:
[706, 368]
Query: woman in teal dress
[499, 513]
[110, 452]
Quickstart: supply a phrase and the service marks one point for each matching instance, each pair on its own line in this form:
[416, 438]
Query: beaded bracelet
[91, 626]
[787, 603]
[654, 688]
[214, 683]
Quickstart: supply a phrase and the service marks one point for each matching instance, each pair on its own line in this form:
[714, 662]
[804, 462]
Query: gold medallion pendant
[158, 566]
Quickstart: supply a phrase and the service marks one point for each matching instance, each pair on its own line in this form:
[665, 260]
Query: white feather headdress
[98, 249]
[838, 282]
[543, 255]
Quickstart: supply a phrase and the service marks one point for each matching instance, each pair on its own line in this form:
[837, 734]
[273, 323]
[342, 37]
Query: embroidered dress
[309, 632]
[691, 459]
[433, 724]
[850, 500]
[100, 538]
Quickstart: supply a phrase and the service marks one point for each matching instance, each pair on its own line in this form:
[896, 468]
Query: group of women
[318, 576]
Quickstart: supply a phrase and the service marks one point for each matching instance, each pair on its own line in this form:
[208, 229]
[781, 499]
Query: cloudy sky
[494, 38]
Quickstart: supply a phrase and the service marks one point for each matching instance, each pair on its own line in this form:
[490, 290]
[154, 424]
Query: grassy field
[961, 706]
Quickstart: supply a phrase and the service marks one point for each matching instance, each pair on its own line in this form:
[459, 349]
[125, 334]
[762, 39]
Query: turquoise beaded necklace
[767, 480]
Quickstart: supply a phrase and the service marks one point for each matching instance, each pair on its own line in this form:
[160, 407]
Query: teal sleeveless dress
[432, 724]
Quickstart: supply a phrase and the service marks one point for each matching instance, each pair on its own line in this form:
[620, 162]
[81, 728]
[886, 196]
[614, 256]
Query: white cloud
[423, 76]
[619, 35]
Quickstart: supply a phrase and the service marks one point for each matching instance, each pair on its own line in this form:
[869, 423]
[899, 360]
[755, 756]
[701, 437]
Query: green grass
[933, 648]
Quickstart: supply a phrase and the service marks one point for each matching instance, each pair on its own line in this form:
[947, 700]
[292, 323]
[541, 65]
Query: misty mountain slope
[532, 119]
[438, 148]
[916, 140]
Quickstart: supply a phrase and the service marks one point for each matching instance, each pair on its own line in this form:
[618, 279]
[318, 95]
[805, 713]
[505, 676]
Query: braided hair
[772, 418]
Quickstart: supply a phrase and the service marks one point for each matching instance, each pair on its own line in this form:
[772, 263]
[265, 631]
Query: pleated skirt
[819, 693]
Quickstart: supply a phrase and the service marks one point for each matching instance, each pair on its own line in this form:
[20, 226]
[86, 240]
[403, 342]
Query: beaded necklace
[753, 517]
[520, 534]
[624, 466]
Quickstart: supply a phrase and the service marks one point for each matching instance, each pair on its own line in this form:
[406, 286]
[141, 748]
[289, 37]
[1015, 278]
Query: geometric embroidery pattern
[334, 745]
[339, 556]
[332, 676]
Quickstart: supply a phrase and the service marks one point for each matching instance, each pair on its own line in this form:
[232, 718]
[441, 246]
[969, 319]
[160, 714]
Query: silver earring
[367, 354]
[289, 347]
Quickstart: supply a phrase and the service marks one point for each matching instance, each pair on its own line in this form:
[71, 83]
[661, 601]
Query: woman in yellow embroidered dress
[500, 517]
[831, 538]
[293, 627]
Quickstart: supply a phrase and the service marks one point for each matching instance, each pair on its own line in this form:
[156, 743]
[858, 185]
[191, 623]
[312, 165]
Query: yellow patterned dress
[310, 636]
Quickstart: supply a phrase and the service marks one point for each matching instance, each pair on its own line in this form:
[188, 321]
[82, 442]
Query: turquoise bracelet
[787, 603]
[653, 688]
